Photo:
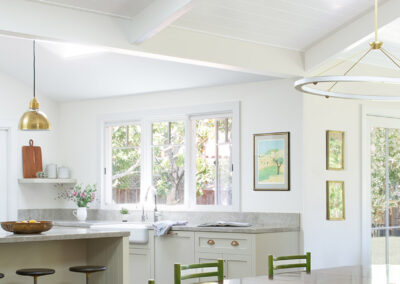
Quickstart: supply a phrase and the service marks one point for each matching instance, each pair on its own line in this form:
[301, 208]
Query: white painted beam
[349, 35]
[34, 20]
[157, 16]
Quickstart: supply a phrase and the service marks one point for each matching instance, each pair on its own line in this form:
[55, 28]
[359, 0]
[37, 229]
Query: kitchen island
[61, 248]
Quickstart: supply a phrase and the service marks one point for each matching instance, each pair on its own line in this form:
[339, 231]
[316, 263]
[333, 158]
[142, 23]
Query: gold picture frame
[335, 201]
[271, 161]
[335, 147]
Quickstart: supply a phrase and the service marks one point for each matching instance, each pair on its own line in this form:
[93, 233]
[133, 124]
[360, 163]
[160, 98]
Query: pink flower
[83, 195]
[74, 193]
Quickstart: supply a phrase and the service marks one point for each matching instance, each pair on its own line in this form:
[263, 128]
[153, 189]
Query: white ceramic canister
[51, 170]
[63, 172]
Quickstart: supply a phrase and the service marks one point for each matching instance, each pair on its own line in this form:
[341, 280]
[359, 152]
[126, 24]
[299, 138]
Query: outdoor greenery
[380, 139]
[168, 159]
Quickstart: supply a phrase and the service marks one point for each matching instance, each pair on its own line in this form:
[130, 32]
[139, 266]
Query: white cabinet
[176, 247]
[142, 261]
[243, 254]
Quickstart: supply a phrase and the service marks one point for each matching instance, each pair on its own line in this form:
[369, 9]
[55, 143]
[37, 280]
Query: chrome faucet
[156, 213]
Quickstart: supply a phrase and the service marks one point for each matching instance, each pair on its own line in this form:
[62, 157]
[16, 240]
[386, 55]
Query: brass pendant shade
[34, 119]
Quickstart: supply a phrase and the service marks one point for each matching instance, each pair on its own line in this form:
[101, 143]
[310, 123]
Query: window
[125, 150]
[186, 159]
[214, 167]
[168, 151]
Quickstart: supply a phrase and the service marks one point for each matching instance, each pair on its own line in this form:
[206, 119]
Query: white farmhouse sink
[139, 231]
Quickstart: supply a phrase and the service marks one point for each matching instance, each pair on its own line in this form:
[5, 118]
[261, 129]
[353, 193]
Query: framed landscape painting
[335, 204]
[272, 161]
[334, 150]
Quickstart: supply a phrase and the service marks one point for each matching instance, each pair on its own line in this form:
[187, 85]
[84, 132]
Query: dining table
[376, 274]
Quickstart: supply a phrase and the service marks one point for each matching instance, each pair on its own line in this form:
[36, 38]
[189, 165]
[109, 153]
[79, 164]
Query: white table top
[339, 275]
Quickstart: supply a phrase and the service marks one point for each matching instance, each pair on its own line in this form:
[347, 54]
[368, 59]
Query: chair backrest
[272, 267]
[151, 281]
[219, 273]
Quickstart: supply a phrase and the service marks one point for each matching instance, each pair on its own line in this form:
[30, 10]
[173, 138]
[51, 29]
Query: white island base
[60, 249]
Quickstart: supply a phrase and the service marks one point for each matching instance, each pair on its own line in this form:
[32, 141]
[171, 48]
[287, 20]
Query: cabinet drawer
[224, 243]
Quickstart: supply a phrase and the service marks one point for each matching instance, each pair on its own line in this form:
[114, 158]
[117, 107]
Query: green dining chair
[272, 259]
[219, 273]
[151, 281]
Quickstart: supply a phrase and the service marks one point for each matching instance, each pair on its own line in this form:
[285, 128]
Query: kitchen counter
[63, 247]
[62, 233]
[255, 229]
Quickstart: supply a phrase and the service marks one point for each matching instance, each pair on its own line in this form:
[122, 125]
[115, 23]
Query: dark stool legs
[89, 269]
[35, 273]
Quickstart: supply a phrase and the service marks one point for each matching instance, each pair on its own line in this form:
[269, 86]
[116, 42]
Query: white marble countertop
[61, 233]
[254, 229]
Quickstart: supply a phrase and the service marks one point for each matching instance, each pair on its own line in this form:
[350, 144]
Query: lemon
[33, 221]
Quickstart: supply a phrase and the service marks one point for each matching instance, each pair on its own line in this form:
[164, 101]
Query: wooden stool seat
[1, 275]
[35, 272]
[88, 268]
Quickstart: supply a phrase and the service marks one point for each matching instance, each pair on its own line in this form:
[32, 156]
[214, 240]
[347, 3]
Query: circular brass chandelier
[303, 85]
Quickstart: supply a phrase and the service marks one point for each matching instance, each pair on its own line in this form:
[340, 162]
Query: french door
[384, 196]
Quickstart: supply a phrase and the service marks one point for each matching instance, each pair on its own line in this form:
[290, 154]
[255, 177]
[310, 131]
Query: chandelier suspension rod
[376, 20]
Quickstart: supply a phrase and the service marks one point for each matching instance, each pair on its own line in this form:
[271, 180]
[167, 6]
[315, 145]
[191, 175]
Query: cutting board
[32, 160]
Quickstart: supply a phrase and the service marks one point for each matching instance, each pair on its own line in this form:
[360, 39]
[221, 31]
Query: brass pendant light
[34, 119]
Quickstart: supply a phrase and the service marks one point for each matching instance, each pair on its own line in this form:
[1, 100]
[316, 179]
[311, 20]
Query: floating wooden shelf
[46, 181]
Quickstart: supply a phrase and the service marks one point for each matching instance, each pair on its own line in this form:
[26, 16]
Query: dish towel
[163, 227]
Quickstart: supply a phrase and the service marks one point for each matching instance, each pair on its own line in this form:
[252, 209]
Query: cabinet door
[210, 257]
[140, 266]
[177, 247]
[237, 266]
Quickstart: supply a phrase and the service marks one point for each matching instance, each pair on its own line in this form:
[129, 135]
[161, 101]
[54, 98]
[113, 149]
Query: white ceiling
[389, 35]
[120, 8]
[293, 24]
[65, 72]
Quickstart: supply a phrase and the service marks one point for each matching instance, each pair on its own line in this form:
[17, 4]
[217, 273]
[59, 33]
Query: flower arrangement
[80, 194]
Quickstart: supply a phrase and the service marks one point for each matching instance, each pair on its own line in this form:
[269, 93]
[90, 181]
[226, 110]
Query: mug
[51, 170]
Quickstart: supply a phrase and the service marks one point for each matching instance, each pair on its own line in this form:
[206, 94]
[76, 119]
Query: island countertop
[62, 233]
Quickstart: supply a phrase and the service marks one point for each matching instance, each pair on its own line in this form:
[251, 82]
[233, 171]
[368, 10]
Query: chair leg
[35, 279]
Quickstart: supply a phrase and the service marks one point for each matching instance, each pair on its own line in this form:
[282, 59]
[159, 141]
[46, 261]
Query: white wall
[15, 98]
[332, 243]
[265, 107]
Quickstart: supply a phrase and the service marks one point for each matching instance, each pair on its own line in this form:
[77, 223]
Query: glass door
[385, 196]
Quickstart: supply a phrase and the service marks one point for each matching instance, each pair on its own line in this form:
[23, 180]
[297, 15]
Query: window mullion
[190, 191]
[147, 160]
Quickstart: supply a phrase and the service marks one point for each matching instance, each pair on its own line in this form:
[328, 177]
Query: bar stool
[35, 272]
[88, 270]
[1, 275]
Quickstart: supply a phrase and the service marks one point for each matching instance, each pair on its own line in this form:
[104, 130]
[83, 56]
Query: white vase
[80, 214]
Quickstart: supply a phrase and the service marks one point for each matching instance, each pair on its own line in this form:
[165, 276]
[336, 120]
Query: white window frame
[146, 118]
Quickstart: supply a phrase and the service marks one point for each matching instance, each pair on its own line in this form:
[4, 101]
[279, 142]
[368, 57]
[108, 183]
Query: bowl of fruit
[27, 227]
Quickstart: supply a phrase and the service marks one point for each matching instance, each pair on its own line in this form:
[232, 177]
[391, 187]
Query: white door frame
[368, 112]
[12, 163]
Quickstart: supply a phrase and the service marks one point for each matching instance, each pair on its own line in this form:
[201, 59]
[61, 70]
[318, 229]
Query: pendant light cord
[34, 69]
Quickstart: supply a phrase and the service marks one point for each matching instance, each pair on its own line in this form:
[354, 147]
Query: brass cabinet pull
[235, 243]
[211, 242]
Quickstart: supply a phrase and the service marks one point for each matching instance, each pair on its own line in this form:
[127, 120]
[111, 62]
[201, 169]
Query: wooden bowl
[27, 228]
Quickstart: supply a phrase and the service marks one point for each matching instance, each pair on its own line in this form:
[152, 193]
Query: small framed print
[335, 203]
[334, 150]
[271, 161]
